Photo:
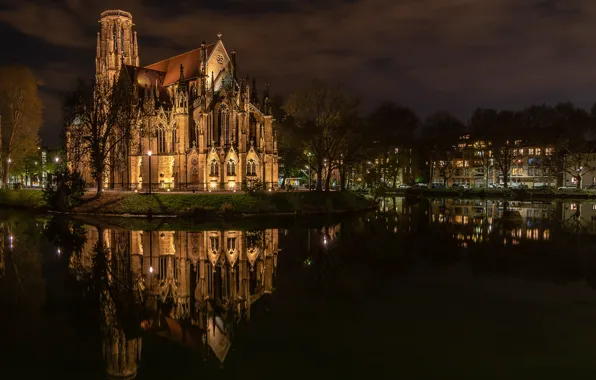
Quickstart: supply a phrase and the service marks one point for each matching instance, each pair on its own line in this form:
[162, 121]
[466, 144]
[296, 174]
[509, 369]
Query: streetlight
[149, 154]
[57, 159]
[8, 170]
[309, 171]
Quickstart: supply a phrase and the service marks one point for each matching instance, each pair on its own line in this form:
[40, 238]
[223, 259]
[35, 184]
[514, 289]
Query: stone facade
[202, 127]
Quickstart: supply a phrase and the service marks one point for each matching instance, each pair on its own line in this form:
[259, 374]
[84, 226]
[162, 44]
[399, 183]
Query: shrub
[226, 208]
[253, 186]
[66, 191]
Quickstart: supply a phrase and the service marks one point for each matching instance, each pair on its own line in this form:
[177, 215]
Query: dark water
[419, 289]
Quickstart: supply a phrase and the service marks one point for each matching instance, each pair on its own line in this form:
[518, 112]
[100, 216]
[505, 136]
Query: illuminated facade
[472, 163]
[202, 127]
[207, 279]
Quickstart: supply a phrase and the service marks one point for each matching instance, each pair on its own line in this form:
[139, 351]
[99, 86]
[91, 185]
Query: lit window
[594, 206]
[231, 167]
[214, 168]
[549, 151]
[521, 152]
[251, 167]
[531, 151]
[573, 206]
[538, 151]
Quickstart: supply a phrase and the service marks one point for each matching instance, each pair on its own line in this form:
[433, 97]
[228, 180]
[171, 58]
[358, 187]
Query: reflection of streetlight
[149, 154]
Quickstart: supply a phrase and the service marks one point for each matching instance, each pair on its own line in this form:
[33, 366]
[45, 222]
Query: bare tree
[100, 118]
[444, 165]
[20, 110]
[319, 118]
[578, 164]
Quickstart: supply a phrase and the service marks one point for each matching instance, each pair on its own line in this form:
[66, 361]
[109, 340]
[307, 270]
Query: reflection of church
[202, 127]
[197, 285]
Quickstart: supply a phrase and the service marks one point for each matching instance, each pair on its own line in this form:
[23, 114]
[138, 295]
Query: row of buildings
[472, 163]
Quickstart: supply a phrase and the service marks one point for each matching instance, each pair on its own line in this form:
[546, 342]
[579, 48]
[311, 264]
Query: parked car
[518, 186]
[403, 186]
[438, 186]
[567, 188]
[495, 186]
[542, 187]
[422, 185]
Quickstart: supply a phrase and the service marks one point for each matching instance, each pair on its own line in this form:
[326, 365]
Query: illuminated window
[594, 207]
[214, 244]
[173, 140]
[231, 167]
[231, 244]
[161, 140]
[521, 152]
[214, 168]
[548, 151]
[251, 167]
[538, 151]
[531, 151]
[573, 206]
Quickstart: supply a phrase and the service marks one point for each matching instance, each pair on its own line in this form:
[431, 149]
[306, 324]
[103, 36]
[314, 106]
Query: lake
[419, 289]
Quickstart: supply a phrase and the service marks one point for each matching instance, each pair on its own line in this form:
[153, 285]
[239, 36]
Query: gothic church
[203, 128]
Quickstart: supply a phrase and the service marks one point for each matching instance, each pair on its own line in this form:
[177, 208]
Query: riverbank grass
[22, 199]
[113, 203]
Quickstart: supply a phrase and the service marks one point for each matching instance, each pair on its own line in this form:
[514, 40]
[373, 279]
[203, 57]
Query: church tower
[116, 44]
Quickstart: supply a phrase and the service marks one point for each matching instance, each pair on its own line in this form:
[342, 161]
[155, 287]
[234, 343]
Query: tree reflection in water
[129, 291]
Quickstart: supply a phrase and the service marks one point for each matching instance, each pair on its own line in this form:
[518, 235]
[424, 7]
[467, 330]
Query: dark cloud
[427, 54]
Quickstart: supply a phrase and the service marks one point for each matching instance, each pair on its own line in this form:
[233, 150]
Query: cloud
[428, 54]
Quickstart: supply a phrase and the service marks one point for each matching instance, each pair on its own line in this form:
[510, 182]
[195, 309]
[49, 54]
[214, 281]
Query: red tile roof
[189, 60]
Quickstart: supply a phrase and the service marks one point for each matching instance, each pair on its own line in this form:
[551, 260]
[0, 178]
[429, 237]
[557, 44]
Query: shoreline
[505, 194]
[195, 206]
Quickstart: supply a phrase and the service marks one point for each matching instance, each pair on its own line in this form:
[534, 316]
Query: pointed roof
[190, 61]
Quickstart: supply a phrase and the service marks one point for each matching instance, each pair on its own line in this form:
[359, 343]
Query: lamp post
[8, 172]
[149, 154]
[309, 172]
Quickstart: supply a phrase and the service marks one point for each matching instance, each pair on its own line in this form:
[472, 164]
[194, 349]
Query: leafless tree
[320, 116]
[100, 118]
[20, 110]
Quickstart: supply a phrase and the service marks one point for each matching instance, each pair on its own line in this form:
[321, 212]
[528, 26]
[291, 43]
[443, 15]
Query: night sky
[427, 54]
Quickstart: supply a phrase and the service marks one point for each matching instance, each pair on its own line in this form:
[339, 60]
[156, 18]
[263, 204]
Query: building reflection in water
[190, 287]
[479, 221]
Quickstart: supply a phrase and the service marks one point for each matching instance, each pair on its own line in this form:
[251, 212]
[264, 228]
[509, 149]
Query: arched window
[231, 167]
[223, 124]
[214, 168]
[122, 39]
[251, 167]
[174, 140]
[161, 141]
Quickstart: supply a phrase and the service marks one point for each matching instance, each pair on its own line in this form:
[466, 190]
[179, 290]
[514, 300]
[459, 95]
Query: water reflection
[130, 290]
[192, 288]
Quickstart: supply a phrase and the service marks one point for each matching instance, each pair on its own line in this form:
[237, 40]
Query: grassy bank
[518, 194]
[22, 199]
[112, 203]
